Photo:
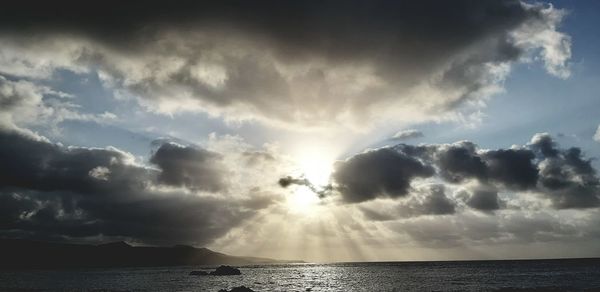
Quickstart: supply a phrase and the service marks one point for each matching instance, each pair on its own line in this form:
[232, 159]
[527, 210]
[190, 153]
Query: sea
[508, 275]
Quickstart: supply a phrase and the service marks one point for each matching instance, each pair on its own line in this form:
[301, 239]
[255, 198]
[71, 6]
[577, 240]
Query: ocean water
[538, 275]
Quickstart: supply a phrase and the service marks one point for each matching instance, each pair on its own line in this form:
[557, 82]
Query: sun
[316, 165]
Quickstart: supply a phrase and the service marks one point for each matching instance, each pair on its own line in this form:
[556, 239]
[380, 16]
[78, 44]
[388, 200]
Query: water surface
[541, 275]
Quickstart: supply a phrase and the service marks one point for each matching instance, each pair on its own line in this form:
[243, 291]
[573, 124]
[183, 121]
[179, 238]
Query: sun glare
[314, 162]
[303, 200]
[316, 165]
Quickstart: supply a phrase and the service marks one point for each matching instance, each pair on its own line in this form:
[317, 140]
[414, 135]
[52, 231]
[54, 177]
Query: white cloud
[407, 134]
[100, 173]
[25, 103]
[541, 33]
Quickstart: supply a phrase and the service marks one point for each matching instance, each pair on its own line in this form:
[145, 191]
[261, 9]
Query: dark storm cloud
[382, 172]
[296, 23]
[457, 162]
[145, 216]
[512, 167]
[188, 166]
[33, 163]
[564, 176]
[12, 207]
[51, 191]
[291, 62]
[460, 161]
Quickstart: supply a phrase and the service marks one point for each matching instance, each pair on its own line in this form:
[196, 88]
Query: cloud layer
[49, 191]
[308, 64]
[563, 176]
[194, 168]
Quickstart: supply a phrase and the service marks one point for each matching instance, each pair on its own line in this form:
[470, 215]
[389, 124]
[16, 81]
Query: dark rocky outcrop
[220, 271]
[226, 271]
[238, 289]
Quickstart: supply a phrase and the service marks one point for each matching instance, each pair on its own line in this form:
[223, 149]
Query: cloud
[463, 161]
[194, 168]
[504, 230]
[49, 191]
[34, 163]
[555, 46]
[26, 103]
[22, 101]
[484, 200]
[597, 135]
[321, 191]
[350, 64]
[149, 218]
[407, 134]
[564, 176]
[428, 200]
[383, 172]
[514, 168]
[460, 161]
[377, 214]
[425, 200]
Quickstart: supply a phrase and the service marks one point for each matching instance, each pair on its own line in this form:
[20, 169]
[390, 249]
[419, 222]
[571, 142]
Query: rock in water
[238, 289]
[198, 273]
[226, 271]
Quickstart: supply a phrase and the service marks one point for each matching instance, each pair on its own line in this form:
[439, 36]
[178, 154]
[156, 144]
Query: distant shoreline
[27, 254]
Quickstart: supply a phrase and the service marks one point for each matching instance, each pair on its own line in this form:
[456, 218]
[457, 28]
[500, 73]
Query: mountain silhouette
[26, 254]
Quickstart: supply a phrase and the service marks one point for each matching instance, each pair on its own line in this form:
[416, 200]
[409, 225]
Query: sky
[313, 130]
